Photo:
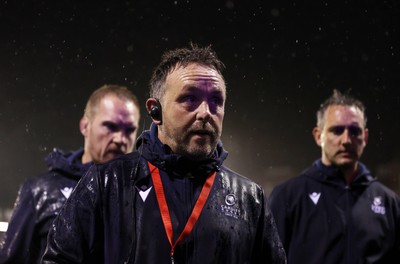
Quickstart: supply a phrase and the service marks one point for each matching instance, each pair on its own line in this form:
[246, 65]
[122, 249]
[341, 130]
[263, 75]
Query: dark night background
[283, 58]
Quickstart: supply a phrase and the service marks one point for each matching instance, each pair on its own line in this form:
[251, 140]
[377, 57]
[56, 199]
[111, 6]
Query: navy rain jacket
[38, 202]
[98, 225]
[321, 220]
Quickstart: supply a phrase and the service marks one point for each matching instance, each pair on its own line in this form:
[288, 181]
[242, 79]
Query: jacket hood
[161, 156]
[69, 163]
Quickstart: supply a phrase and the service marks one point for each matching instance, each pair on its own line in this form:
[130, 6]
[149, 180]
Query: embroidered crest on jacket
[377, 206]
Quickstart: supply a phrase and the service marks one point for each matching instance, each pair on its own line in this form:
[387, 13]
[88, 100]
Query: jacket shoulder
[237, 178]
[125, 166]
[48, 181]
[378, 188]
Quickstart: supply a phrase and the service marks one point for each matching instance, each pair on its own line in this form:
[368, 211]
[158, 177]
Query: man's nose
[204, 112]
[120, 137]
[346, 136]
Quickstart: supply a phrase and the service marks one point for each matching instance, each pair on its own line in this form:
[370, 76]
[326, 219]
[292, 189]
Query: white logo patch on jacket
[144, 194]
[230, 208]
[66, 191]
[314, 197]
[377, 206]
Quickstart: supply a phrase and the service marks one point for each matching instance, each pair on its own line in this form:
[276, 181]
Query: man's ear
[366, 135]
[83, 126]
[317, 135]
[154, 110]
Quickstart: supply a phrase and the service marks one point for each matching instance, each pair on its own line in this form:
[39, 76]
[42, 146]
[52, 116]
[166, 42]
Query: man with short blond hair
[109, 127]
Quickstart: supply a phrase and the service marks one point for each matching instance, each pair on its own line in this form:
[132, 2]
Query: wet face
[112, 131]
[343, 136]
[193, 110]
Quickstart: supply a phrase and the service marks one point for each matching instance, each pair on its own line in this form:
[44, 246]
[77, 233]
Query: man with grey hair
[336, 211]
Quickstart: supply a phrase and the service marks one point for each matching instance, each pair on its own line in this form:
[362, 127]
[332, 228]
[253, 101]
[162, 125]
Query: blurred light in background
[3, 226]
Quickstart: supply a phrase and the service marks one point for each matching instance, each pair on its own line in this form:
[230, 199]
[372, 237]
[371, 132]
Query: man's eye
[354, 131]
[130, 130]
[217, 100]
[338, 130]
[189, 99]
[111, 127]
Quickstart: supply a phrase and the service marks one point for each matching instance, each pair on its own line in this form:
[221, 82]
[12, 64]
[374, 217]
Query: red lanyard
[162, 203]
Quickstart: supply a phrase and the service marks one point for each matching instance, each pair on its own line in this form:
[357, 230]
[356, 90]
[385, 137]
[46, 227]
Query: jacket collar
[161, 156]
[333, 174]
[67, 162]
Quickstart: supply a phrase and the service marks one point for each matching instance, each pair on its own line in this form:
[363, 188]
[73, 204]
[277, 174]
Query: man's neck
[86, 158]
[349, 173]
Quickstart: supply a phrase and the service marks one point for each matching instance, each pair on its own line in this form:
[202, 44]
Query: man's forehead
[196, 76]
[344, 115]
[196, 71]
[113, 107]
[344, 111]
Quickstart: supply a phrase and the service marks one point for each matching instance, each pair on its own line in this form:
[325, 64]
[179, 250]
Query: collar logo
[377, 206]
[144, 194]
[66, 191]
[314, 197]
[230, 208]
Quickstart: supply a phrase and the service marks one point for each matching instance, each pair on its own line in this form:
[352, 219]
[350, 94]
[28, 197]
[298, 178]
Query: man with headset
[172, 201]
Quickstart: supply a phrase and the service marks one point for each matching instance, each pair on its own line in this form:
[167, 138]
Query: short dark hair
[182, 57]
[338, 98]
[120, 91]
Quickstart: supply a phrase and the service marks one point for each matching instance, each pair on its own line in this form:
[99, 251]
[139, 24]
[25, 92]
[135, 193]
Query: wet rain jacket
[321, 220]
[38, 202]
[98, 225]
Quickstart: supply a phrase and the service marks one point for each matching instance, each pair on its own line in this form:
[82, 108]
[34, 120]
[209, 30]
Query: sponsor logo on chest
[230, 208]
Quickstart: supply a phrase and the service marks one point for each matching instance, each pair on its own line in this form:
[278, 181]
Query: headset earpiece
[155, 111]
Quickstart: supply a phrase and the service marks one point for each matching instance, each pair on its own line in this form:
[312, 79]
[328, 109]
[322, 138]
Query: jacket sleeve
[17, 240]
[279, 207]
[271, 241]
[72, 236]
